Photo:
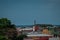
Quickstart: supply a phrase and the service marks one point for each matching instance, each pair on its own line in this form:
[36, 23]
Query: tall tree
[7, 29]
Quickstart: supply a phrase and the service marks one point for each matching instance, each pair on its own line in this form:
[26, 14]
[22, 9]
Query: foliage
[4, 22]
[21, 37]
[7, 29]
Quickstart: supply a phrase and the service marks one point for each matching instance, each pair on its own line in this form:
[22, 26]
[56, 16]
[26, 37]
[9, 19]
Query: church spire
[34, 22]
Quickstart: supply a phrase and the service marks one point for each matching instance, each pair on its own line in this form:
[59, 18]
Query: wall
[54, 39]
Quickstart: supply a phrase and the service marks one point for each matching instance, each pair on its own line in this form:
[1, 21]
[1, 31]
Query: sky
[24, 12]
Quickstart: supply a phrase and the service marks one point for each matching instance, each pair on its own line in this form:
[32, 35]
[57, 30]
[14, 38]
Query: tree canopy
[7, 29]
[4, 22]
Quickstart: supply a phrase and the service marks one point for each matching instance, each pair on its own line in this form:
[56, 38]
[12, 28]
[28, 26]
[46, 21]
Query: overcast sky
[24, 12]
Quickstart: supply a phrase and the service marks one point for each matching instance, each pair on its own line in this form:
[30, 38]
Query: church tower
[34, 25]
[34, 22]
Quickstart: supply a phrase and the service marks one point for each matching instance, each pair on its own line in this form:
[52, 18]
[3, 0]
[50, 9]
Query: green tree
[3, 37]
[21, 37]
[7, 29]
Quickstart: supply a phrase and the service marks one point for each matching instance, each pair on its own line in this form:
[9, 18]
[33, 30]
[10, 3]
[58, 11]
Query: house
[37, 36]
